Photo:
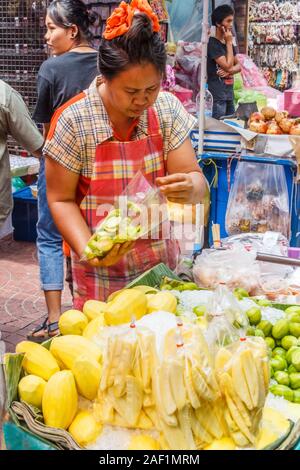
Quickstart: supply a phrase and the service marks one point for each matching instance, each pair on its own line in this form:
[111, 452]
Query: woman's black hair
[220, 13]
[65, 13]
[140, 45]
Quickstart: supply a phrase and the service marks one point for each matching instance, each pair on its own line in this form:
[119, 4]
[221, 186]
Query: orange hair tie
[120, 20]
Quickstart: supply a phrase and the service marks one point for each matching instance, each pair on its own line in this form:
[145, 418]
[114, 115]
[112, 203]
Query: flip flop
[50, 330]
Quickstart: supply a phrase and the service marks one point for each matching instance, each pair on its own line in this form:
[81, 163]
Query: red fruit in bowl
[268, 113]
[286, 124]
[256, 117]
[260, 127]
[280, 116]
[273, 128]
[295, 129]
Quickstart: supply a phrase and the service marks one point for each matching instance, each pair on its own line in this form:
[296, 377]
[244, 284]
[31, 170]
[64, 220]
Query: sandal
[50, 330]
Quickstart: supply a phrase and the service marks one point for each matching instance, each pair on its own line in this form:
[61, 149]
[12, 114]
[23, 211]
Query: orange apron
[115, 164]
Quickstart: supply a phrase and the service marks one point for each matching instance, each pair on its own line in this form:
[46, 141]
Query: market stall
[180, 368]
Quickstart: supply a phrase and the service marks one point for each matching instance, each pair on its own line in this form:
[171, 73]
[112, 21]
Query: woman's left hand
[113, 257]
[178, 188]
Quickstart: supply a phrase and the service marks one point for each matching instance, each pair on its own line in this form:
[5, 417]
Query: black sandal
[47, 328]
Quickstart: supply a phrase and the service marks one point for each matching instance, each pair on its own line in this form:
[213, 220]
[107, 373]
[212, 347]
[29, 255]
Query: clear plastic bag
[242, 371]
[226, 320]
[140, 211]
[270, 242]
[233, 268]
[258, 200]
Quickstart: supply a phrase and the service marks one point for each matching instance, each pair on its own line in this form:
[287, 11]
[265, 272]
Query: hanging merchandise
[258, 200]
[159, 7]
[274, 38]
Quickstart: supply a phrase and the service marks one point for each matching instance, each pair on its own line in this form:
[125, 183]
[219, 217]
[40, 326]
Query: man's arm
[227, 62]
[236, 68]
[21, 126]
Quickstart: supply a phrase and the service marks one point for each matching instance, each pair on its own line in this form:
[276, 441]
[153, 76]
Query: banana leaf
[283, 306]
[13, 373]
[153, 276]
[277, 305]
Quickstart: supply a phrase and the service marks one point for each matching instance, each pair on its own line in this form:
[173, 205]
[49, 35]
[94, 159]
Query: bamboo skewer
[216, 235]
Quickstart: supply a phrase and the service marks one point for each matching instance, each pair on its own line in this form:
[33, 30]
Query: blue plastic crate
[220, 194]
[25, 215]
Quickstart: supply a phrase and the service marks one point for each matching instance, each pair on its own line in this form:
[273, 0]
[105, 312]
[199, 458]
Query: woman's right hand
[113, 257]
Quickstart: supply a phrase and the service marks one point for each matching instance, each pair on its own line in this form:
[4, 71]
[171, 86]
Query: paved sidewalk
[22, 304]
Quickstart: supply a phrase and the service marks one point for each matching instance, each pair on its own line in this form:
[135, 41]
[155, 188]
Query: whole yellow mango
[94, 328]
[129, 304]
[85, 429]
[93, 309]
[162, 301]
[31, 390]
[72, 322]
[68, 348]
[60, 400]
[87, 372]
[37, 360]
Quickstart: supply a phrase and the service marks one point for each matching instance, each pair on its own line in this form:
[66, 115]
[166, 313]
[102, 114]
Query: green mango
[296, 359]
[271, 372]
[200, 310]
[280, 329]
[282, 391]
[288, 341]
[293, 317]
[278, 363]
[264, 303]
[295, 380]
[250, 331]
[259, 333]
[297, 396]
[292, 369]
[270, 342]
[279, 352]
[295, 329]
[292, 309]
[282, 378]
[278, 342]
[254, 315]
[290, 352]
[240, 293]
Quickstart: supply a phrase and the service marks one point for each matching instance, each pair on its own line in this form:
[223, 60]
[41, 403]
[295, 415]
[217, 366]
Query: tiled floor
[22, 304]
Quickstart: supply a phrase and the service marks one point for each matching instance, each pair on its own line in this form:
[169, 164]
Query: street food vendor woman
[100, 139]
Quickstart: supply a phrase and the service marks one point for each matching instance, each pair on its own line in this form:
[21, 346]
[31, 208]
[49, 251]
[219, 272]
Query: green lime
[282, 377]
[270, 342]
[279, 352]
[265, 326]
[254, 315]
[280, 329]
[288, 341]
